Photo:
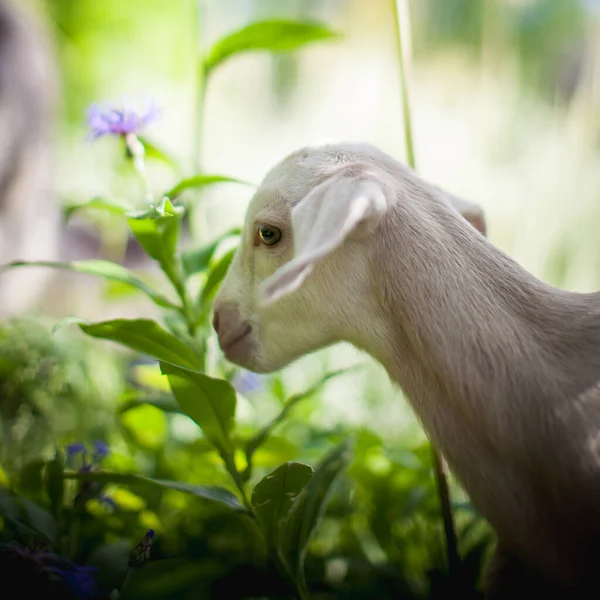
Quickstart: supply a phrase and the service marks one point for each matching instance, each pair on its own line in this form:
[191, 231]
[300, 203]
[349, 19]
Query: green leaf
[200, 181]
[274, 495]
[308, 509]
[9, 508]
[145, 336]
[255, 442]
[196, 260]
[110, 562]
[169, 579]
[207, 492]
[209, 402]
[157, 229]
[118, 206]
[216, 276]
[102, 268]
[270, 36]
[55, 485]
[39, 519]
[66, 322]
[152, 151]
[164, 402]
[30, 477]
[26, 517]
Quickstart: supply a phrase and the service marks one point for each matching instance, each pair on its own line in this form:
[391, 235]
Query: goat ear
[470, 211]
[341, 207]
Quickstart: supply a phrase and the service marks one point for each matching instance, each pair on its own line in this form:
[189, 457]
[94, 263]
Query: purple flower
[247, 382]
[75, 448]
[77, 456]
[45, 574]
[79, 580]
[101, 451]
[120, 121]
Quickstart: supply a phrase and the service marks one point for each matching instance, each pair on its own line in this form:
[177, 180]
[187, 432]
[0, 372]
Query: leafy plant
[232, 510]
[209, 402]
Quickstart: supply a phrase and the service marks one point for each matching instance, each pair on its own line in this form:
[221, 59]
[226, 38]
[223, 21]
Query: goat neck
[501, 369]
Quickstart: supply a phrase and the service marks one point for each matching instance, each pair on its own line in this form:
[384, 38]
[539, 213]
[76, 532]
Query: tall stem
[197, 216]
[402, 15]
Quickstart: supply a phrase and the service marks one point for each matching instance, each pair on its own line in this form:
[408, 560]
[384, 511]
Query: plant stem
[170, 270]
[441, 479]
[199, 114]
[197, 217]
[237, 478]
[136, 150]
[402, 17]
[403, 44]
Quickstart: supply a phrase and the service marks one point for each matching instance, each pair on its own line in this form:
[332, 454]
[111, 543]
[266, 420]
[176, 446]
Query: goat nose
[225, 315]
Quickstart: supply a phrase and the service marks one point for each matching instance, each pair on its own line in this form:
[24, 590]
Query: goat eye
[269, 235]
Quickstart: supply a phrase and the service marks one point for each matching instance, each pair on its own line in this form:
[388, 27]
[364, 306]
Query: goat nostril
[216, 322]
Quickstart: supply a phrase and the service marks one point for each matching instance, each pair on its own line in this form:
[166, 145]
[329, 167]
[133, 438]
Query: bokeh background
[504, 93]
[505, 99]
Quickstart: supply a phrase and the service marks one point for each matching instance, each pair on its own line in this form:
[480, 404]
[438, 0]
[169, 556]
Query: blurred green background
[505, 98]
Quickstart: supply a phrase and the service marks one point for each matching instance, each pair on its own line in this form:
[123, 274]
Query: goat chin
[502, 370]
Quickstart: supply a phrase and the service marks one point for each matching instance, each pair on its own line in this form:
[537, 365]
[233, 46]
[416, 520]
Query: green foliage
[274, 495]
[225, 506]
[209, 402]
[153, 152]
[102, 268]
[212, 493]
[197, 260]
[307, 512]
[215, 277]
[117, 206]
[272, 36]
[199, 181]
[157, 229]
[144, 335]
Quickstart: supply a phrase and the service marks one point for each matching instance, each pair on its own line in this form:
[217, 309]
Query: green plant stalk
[237, 479]
[137, 153]
[399, 5]
[201, 81]
[401, 14]
[197, 217]
[227, 458]
[169, 268]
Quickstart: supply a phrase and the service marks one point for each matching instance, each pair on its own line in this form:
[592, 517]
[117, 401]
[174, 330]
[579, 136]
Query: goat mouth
[230, 342]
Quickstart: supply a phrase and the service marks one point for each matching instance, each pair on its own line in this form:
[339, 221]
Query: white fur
[501, 369]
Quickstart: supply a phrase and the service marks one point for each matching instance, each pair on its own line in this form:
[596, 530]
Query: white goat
[344, 243]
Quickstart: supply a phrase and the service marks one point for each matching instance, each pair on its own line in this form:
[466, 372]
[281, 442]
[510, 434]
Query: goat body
[502, 370]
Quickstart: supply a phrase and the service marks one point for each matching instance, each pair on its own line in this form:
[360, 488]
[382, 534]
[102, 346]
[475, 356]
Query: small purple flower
[79, 580]
[42, 573]
[75, 448]
[101, 451]
[247, 382]
[120, 121]
[77, 456]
